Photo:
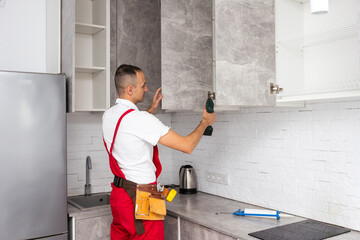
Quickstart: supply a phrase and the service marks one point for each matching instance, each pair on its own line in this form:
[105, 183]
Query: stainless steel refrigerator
[32, 156]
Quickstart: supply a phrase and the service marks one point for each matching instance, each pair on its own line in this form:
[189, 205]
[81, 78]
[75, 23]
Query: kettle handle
[180, 170]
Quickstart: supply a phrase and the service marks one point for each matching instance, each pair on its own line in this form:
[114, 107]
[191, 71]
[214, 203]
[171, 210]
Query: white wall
[84, 138]
[30, 33]
[300, 161]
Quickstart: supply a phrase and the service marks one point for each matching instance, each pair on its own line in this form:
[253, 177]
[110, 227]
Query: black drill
[209, 109]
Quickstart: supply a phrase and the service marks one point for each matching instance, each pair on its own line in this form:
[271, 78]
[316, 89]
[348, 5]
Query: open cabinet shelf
[79, 69]
[319, 38]
[91, 88]
[317, 56]
[85, 28]
[87, 64]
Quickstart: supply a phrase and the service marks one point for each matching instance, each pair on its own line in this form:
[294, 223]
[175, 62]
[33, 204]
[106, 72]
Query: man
[130, 138]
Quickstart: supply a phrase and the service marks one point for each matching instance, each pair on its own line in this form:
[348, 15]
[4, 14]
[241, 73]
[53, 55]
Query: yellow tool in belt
[171, 195]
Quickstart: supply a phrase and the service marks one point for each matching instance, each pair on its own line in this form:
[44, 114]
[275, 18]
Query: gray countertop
[201, 208]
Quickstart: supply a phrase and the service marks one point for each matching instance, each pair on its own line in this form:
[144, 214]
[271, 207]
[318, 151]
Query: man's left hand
[155, 102]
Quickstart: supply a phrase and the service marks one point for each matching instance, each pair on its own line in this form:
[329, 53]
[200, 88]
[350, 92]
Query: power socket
[217, 178]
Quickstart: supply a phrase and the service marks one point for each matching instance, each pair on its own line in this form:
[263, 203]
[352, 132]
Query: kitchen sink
[94, 200]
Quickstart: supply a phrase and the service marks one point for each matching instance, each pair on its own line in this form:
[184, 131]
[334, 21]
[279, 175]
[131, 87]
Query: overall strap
[157, 162]
[115, 169]
[117, 127]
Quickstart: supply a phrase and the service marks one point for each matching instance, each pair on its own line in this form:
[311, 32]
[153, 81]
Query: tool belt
[149, 203]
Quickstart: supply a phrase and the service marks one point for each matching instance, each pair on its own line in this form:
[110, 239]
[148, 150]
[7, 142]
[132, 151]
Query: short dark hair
[125, 75]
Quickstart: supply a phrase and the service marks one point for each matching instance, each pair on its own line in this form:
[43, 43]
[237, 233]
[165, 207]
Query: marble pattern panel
[171, 227]
[245, 52]
[93, 228]
[67, 49]
[193, 231]
[138, 41]
[113, 47]
[186, 53]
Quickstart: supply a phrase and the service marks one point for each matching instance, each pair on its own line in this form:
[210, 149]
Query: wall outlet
[2, 3]
[217, 178]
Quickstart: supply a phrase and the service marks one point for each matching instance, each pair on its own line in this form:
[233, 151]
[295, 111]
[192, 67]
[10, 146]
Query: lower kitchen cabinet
[190, 230]
[92, 228]
[171, 227]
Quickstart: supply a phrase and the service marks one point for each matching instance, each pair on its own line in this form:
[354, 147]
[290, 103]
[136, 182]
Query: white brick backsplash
[303, 161]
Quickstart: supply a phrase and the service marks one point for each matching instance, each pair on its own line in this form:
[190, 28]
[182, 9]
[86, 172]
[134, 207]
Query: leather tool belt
[149, 203]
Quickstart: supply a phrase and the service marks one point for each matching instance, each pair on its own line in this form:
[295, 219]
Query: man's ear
[130, 90]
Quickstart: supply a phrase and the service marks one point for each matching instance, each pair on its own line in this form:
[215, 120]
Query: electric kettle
[187, 180]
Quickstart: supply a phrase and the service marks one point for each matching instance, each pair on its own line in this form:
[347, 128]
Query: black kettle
[187, 180]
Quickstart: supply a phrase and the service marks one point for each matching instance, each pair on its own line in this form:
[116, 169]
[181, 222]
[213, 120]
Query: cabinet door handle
[275, 89]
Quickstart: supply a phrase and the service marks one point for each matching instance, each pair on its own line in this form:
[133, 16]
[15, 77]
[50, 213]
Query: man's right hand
[187, 144]
[208, 118]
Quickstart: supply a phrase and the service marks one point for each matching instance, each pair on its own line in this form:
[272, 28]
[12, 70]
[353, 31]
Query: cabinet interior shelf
[309, 40]
[85, 28]
[345, 93]
[82, 69]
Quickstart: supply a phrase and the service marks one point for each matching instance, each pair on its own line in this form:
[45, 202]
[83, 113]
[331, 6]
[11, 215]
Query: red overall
[122, 206]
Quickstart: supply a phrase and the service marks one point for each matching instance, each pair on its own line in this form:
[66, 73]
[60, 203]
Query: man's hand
[187, 144]
[208, 118]
[155, 102]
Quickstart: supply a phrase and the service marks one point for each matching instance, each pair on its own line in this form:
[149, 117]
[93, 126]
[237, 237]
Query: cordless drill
[210, 109]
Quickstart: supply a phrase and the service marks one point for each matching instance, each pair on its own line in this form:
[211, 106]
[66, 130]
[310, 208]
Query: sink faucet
[88, 167]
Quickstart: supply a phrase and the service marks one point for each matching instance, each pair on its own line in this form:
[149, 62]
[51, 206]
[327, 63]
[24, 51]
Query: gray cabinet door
[135, 40]
[186, 53]
[171, 227]
[222, 46]
[193, 231]
[93, 228]
[244, 49]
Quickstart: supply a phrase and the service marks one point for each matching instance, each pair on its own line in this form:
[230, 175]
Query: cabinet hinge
[211, 95]
[275, 89]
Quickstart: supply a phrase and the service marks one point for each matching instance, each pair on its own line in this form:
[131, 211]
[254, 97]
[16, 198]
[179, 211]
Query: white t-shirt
[138, 132]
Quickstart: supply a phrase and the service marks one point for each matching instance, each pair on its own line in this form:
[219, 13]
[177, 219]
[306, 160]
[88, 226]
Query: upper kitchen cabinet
[135, 40]
[30, 36]
[317, 55]
[244, 52]
[186, 53]
[221, 46]
[86, 53]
